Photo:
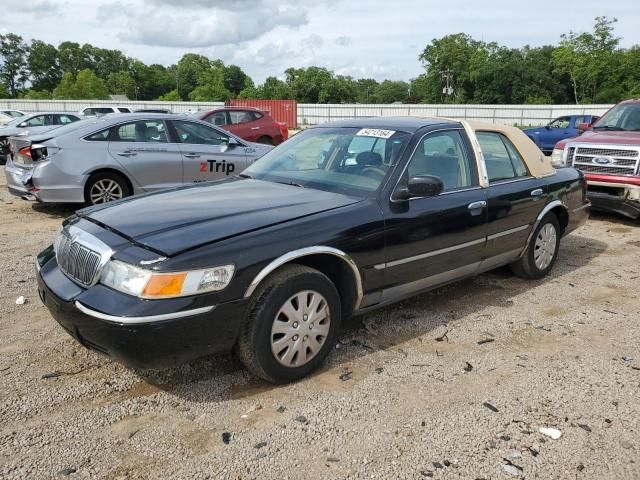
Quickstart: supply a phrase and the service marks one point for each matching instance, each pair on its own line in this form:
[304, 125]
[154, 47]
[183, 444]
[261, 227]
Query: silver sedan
[103, 159]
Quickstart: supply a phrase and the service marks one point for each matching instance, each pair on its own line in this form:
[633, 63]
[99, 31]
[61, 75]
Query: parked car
[609, 155]
[4, 119]
[339, 220]
[119, 155]
[100, 110]
[248, 123]
[12, 113]
[152, 110]
[29, 124]
[558, 129]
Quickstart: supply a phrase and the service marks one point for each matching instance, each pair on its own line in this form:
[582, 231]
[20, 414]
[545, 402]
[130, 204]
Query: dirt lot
[451, 384]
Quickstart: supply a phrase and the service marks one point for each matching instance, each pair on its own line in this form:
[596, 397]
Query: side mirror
[420, 186]
[228, 142]
[583, 127]
[547, 127]
[23, 125]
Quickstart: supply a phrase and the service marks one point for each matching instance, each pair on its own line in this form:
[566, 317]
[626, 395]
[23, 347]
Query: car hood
[605, 137]
[181, 219]
[534, 130]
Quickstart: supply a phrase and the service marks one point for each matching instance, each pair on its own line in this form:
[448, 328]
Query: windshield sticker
[375, 132]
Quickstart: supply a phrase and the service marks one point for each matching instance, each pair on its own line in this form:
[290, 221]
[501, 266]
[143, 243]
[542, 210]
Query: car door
[142, 149]
[514, 197]
[432, 240]
[557, 129]
[206, 153]
[243, 125]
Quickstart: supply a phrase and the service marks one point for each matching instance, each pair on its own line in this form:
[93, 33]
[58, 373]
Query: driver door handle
[477, 205]
[192, 155]
[127, 154]
[537, 192]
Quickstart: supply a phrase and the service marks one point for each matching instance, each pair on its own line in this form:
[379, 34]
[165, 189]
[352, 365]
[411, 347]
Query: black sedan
[339, 220]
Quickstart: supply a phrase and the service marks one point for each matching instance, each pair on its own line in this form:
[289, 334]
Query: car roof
[631, 100]
[406, 124]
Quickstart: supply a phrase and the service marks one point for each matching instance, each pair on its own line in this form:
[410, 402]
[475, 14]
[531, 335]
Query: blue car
[558, 129]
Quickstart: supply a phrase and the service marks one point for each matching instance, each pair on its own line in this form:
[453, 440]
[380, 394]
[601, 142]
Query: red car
[609, 155]
[248, 123]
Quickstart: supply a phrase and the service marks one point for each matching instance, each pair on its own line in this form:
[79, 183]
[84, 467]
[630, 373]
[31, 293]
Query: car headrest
[369, 158]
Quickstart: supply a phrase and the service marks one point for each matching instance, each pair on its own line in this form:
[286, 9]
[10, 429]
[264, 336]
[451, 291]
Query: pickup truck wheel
[542, 250]
[105, 187]
[292, 325]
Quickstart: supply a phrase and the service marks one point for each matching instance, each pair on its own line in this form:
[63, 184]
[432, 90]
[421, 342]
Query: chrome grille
[77, 261]
[604, 160]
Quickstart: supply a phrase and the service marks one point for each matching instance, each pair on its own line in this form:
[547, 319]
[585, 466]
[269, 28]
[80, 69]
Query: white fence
[533, 115]
[312, 114]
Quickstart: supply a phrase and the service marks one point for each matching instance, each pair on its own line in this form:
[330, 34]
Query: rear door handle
[537, 192]
[192, 155]
[477, 205]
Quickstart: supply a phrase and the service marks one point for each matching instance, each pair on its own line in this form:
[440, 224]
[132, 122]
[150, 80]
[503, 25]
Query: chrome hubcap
[545, 246]
[300, 328]
[105, 191]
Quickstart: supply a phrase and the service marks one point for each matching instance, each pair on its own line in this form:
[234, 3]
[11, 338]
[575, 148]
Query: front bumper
[617, 194]
[161, 339]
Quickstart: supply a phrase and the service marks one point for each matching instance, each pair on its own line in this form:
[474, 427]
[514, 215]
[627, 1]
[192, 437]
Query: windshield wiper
[609, 127]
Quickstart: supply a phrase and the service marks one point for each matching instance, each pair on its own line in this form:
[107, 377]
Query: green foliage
[583, 67]
[172, 96]
[32, 94]
[122, 83]
[86, 86]
[13, 63]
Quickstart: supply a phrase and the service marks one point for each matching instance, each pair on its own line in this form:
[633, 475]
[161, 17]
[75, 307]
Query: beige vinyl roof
[539, 165]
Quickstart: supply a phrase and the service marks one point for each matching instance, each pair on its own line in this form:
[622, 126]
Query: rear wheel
[542, 250]
[292, 325]
[265, 140]
[105, 187]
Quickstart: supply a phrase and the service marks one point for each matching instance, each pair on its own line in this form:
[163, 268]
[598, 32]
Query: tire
[113, 186]
[542, 250]
[265, 140]
[268, 346]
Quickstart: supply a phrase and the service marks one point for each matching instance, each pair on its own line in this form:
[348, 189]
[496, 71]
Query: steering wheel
[373, 172]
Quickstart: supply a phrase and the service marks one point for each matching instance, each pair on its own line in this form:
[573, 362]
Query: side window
[443, 155]
[148, 131]
[101, 136]
[198, 134]
[256, 115]
[65, 119]
[561, 122]
[124, 110]
[217, 118]
[38, 121]
[240, 116]
[501, 158]
[577, 121]
[88, 111]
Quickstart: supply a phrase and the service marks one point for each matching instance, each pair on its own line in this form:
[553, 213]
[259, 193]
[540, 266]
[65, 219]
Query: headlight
[556, 158]
[143, 283]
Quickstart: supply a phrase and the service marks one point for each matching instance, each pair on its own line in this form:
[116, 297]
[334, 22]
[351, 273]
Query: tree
[72, 58]
[210, 87]
[172, 96]
[392, 91]
[86, 86]
[586, 57]
[190, 67]
[235, 80]
[121, 83]
[38, 94]
[306, 84]
[43, 65]
[13, 62]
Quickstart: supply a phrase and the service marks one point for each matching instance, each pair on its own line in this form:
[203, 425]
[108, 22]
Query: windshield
[625, 116]
[354, 161]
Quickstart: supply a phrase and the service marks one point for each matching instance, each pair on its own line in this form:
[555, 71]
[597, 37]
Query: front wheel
[105, 187]
[542, 250]
[292, 325]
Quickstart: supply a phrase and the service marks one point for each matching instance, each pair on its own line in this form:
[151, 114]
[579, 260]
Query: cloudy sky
[375, 38]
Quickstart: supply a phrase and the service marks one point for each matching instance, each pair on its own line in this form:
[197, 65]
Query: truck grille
[603, 160]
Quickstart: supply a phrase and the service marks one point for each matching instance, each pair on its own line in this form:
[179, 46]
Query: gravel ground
[452, 384]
